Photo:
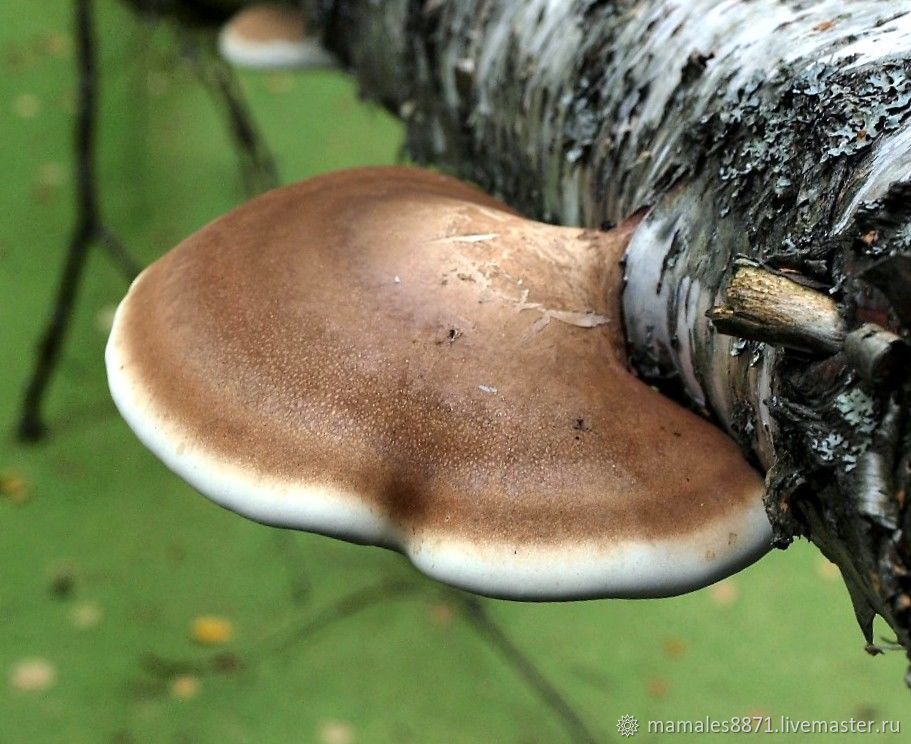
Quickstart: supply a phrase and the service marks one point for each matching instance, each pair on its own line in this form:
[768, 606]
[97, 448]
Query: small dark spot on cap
[580, 424]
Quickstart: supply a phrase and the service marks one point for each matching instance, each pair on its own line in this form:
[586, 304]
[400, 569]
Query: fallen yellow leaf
[185, 687]
[13, 488]
[209, 630]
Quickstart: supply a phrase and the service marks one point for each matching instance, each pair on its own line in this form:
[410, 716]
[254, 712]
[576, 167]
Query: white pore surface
[572, 570]
[273, 55]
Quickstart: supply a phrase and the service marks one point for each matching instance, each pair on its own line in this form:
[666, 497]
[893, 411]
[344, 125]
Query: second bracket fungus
[392, 357]
[271, 36]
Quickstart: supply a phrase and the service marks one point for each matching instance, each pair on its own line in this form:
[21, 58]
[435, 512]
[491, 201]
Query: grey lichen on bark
[776, 130]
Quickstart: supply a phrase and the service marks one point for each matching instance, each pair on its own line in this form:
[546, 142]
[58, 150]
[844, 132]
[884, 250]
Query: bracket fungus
[392, 357]
[271, 36]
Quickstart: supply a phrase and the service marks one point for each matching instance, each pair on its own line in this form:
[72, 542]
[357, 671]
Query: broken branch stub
[764, 306]
[877, 354]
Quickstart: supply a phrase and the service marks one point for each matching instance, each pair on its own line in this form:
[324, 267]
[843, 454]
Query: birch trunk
[776, 131]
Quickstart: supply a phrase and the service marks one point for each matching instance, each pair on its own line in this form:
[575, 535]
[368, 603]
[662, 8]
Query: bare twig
[88, 229]
[129, 267]
[348, 606]
[296, 562]
[475, 612]
[257, 165]
[279, 642]
[217, 76]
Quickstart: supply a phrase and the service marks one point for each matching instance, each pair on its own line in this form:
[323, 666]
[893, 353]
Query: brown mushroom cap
[271, 35]
[390, 356]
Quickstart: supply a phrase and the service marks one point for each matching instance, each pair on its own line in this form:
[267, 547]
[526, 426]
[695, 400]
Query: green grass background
[148, 555]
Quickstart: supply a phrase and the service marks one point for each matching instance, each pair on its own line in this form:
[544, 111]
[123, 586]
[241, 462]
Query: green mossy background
[106, 558]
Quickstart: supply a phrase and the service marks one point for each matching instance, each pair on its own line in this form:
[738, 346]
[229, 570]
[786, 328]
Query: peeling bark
[776, 130]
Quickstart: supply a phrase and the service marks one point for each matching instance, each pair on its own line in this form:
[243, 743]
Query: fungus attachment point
[477, 414]
[271, 36]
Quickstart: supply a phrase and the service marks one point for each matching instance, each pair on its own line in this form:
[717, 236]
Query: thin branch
[116, 249]
[342, 609]
[475, 612]
[219, 79]
[31, 426]
[295, 560]
[256, 161]
[278, 643]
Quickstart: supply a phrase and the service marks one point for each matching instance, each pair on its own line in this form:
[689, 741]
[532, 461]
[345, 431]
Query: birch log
[777, 131]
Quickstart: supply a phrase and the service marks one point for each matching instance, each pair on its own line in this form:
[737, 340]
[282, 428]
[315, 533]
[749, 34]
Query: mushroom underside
[391, 357]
